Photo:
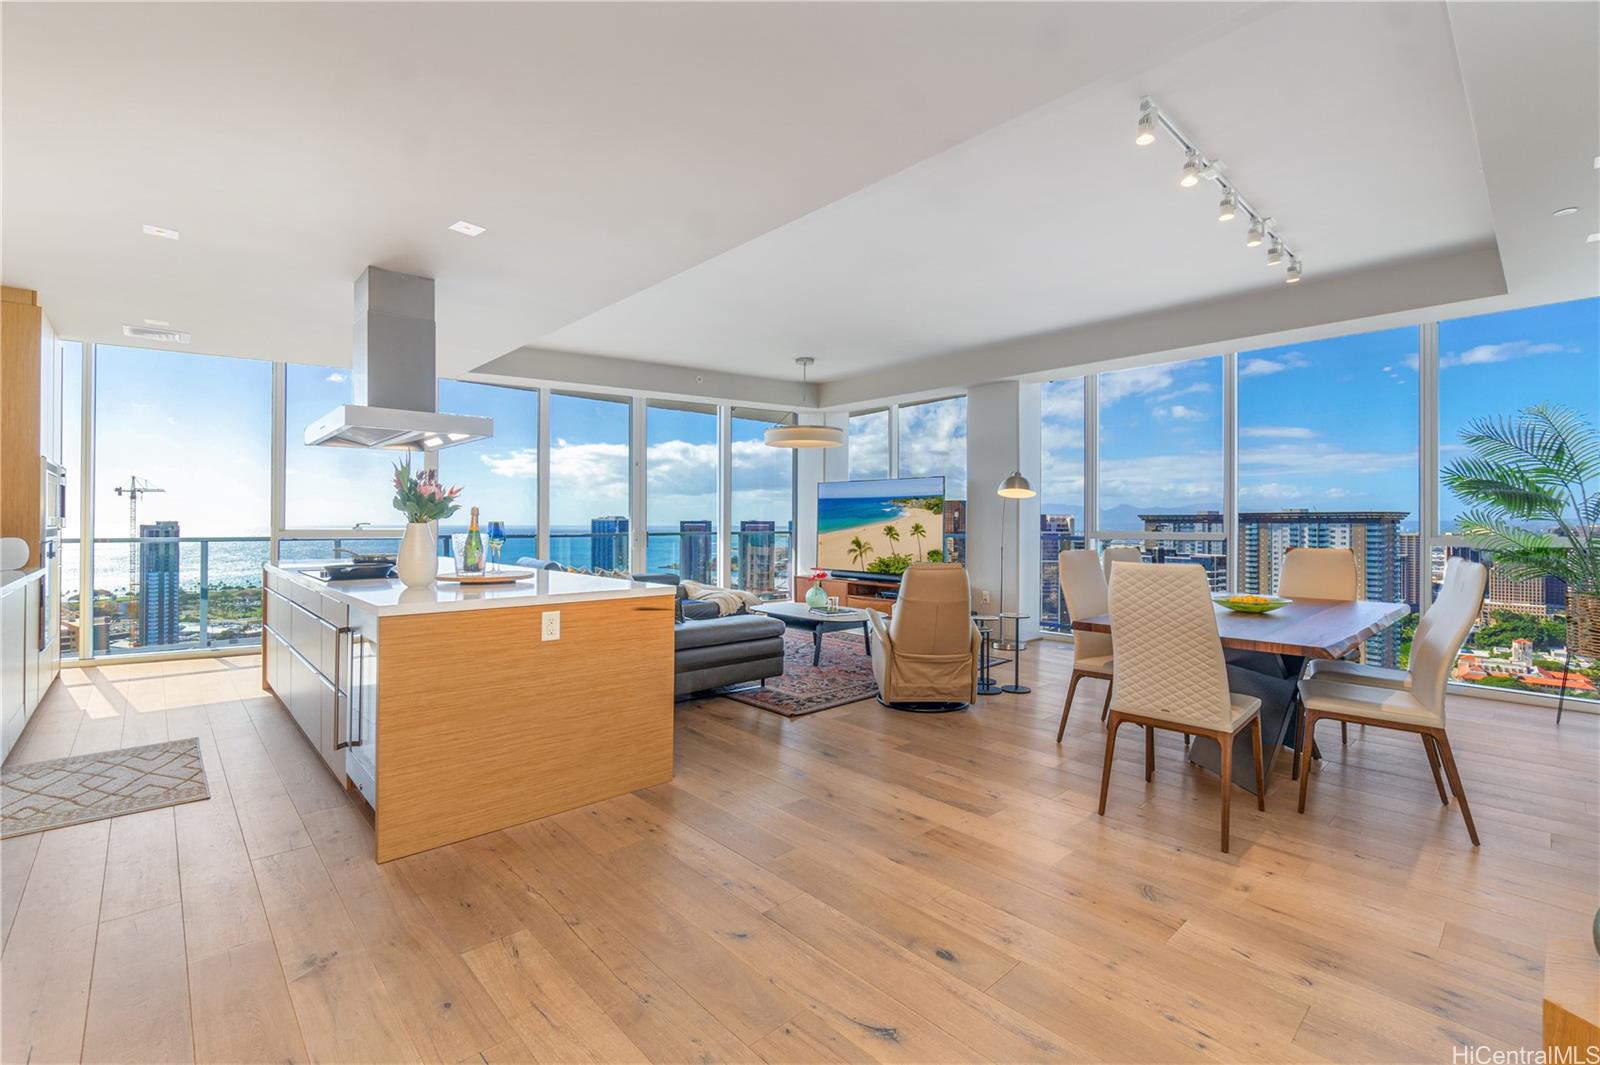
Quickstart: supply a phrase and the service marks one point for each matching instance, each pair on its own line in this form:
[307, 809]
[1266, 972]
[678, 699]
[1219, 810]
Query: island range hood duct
[393, 376]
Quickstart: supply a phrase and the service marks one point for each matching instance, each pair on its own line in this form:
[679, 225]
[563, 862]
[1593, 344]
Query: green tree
[917, 534]
[859, 550]
[892, 534]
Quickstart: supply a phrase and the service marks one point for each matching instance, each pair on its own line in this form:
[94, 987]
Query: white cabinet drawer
[307, 597]
[333, 611]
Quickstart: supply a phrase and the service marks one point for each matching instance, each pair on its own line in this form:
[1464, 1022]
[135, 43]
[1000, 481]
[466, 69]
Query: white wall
[814, 466]
[1003, 425]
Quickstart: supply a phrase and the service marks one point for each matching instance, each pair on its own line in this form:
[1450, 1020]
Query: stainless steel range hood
[393, 375]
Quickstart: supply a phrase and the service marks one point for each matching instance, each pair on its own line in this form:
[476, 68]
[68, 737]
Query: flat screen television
[879, 528]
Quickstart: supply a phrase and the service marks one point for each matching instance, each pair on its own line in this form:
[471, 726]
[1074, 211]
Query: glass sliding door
[762, 483]
[182, 498]
[589, 482]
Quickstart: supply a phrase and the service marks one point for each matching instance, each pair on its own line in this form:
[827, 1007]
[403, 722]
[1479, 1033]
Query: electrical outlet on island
[552, 625]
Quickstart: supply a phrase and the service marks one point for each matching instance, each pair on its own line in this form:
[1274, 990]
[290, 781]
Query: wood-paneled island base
[455, 718]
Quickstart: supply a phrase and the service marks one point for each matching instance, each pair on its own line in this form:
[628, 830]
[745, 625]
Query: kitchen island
[456, 711]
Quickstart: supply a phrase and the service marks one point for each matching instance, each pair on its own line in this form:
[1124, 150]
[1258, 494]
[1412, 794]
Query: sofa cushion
[734, 629]
[690, 659]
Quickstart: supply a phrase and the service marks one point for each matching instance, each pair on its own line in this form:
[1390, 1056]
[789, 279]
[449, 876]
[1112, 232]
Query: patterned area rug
[89, 787]
[844, 676]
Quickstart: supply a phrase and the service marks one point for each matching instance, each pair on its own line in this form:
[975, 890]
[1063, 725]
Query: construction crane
[136, 487]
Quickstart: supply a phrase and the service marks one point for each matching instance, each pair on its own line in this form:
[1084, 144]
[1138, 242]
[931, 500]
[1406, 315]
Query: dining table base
[1280, 719]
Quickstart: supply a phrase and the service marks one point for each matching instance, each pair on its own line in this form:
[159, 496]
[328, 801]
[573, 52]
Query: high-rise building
[1212, 555]
[697, 551]
[158, 584]
[608, 542]
[758, 556]
[1413, 569]
[1374, 536]
[1055, 536]
[955, 530]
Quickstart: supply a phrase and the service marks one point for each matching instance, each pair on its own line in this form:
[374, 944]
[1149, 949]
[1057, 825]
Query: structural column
[813, 466]
[1003, 423]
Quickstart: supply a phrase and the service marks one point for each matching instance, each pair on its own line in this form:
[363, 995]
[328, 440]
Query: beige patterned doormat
[88, 787]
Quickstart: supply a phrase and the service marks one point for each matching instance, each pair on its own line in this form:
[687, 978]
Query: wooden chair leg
[1066, 707]
[1111, 747]
[1303, 755]
[1344, 732]
[1443, 743]
[1226, 743]
[1433, 763]
[1294, 764]
[1105, 708]
[1149, 753]
[1261, 782]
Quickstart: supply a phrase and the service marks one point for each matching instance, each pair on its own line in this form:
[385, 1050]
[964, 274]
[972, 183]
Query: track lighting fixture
[1146, 133]
[1197, 165]
[1191, 171]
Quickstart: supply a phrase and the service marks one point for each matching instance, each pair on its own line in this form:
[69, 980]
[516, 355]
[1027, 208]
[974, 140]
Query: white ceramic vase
[418, 563]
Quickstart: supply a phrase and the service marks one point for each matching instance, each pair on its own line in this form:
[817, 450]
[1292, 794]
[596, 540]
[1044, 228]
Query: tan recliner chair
[925, 655]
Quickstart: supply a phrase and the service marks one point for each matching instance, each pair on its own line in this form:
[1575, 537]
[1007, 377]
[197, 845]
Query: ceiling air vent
[164, 336]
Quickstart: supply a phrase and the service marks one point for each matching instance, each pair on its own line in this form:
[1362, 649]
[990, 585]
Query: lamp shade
[1016, 487]
[804, 436]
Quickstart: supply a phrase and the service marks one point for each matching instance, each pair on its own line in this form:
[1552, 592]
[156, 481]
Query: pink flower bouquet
[420, 496]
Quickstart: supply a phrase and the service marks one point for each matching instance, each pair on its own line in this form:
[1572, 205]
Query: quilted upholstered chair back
[933, 615]
[1319, 573]
[1433, 650]
[1169, 656]
[1112, 555]
[1083, 586]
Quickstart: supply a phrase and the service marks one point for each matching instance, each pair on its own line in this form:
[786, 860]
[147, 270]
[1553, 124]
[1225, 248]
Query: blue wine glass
[497, 539]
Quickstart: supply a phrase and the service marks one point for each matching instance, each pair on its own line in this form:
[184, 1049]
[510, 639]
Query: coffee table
[800, 616]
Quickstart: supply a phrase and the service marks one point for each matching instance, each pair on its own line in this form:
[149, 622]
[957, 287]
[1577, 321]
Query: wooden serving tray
[503, 575]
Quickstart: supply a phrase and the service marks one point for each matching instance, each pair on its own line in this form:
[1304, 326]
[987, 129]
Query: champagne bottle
[472, 553]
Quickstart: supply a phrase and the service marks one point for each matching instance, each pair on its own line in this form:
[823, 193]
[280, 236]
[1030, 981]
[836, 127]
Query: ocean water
[836, 514]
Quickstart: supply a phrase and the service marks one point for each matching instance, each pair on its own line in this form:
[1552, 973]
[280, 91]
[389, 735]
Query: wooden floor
[858, 885]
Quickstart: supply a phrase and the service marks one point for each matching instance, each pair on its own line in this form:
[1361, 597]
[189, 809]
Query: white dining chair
[1083, 586]
[1320, 573]
[1112, 555]
[1169, 671]
[1417, 706]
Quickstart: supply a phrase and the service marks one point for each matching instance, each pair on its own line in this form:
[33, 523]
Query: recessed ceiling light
[161, 231]
[467, 228]
[155, 321]
[1562, 212]
[1594, 238]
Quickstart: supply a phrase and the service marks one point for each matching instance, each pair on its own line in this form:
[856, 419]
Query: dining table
[1266, 653]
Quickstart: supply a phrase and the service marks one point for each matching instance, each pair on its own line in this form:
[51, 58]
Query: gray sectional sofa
[712, 651]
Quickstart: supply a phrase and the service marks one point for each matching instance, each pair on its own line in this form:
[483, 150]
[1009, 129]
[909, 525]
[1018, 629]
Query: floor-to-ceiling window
[1161, 463]
[868, 445]
[933, 443]
[1060, 492]
[1328, 458]
[72, 546]
[1494, 367]
[500, 475]
[182, 498]
[589, 482]
[762, 486]
[681, 478]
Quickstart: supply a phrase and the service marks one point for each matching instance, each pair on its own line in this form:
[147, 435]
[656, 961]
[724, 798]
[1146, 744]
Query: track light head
[1256, 234]
[1146, 133]
[1293, 273]
[1191, 171]
[1275, 252]
[1228, 208]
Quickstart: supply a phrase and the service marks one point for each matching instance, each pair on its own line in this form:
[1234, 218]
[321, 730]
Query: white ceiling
[889, 187]
[605, 146]
[1347, 123]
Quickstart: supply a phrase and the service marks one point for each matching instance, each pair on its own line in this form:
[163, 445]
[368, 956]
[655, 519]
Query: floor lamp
[1014, 487]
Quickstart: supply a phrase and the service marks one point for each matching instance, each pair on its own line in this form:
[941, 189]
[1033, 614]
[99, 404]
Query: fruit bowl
[1250, 604]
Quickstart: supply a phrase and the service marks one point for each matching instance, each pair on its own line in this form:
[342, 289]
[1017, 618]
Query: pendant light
[798, 436]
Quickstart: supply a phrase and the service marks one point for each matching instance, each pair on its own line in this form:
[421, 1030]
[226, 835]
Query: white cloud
[1277, 432]
[523, 462]
[1195, 389]
[1484, 354]
[1138, 381]
[336, 377]
[1260, 366]
[1270, 491]
[1179, 412]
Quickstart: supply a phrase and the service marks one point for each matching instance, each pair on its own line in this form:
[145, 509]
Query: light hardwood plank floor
[859, 885]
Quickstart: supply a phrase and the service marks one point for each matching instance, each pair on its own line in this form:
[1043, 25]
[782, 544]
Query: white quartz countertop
[390, 596]
[16, 578]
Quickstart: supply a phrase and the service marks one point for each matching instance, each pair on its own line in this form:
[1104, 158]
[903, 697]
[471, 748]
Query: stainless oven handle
[359, 673]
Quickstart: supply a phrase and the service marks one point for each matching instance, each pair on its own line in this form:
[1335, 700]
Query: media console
[858, 592]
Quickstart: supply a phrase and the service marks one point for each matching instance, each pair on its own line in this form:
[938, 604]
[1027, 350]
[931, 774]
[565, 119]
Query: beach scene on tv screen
[880, 526]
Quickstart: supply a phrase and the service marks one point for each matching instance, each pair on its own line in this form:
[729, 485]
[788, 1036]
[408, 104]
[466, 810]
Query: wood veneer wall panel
[21, 330]
[482, 725]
